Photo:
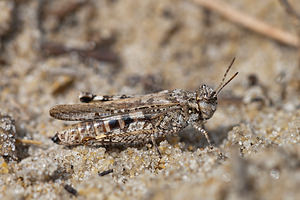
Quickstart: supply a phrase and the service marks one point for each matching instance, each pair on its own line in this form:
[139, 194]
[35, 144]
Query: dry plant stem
[25, 141]
[249, 22]
[289, 9]
[292, 12]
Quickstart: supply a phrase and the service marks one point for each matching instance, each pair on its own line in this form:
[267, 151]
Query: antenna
[221, 85]
[219, 90]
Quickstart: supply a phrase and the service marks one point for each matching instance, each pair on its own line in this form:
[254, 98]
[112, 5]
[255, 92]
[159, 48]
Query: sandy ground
[52, 50]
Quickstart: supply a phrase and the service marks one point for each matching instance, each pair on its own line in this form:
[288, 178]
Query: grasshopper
[132, 119]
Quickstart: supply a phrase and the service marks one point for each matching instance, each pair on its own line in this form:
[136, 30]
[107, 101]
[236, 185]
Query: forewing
[98, 110]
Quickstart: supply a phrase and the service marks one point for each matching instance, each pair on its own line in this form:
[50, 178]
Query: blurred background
[50, 50]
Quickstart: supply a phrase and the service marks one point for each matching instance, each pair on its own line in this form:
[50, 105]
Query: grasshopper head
[206, 97]
[207, 101]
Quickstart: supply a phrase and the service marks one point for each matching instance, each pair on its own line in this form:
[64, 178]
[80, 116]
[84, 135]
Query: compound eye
[210, 99]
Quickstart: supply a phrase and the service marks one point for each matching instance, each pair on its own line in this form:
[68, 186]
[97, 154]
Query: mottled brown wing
[150, 103]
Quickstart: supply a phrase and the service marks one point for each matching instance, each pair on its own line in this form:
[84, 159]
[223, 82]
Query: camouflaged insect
[125, 119]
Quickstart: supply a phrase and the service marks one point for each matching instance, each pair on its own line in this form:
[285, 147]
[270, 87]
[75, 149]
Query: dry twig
[292, 12]
[289, 9]
[249, 22]
[32, 142]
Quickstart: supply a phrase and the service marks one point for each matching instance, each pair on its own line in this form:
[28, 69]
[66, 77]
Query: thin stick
[289, 9]
[249, 22]
[25, 141]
